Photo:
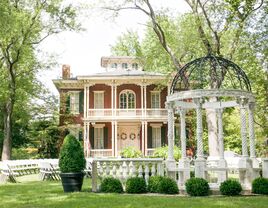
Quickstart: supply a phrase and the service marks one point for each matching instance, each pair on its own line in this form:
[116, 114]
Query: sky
[83, 50]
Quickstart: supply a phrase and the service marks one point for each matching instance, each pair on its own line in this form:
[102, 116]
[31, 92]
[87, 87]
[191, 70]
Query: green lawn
[49, 194]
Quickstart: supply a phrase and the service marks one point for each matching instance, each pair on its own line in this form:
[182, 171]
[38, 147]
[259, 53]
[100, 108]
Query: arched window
[124, 66]
[114, 65]
[127, 99]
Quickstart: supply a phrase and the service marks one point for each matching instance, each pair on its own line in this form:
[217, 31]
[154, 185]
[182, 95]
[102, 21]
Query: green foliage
[111, 185]
[153, 183]
[260, 186]
[24, 153]
[131, 152]
[162, 152]
[136, 185]
[168, 186]
[230, 187]
[197, 187]
[71, 155]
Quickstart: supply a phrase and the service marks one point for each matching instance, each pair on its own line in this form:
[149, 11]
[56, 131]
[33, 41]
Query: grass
[29, 194]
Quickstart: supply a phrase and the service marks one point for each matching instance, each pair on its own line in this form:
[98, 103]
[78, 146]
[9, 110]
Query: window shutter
[105, 137]
[149, 137]
[163, 135]
[92, 137]
[81, 102]
[80, 135]
[67, 104]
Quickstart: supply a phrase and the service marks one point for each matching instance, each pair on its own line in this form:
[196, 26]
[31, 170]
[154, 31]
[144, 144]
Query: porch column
[116, 138]
[222, 175]
[85, 138]
[145, 137]
[88, 141]
[142, 137]
[184, 162]
[112, 102]
[115, 101]
[145, 100]
[200, 162]
[113, 139]
[243, 120]
[142, 113]
[170, 162]
[255, 162]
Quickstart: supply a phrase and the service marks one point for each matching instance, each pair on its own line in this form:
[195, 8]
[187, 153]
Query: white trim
[125, 91]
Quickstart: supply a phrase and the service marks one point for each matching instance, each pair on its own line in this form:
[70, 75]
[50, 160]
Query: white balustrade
[127, 167]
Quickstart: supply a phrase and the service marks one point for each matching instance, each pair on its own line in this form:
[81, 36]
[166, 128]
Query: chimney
[66, 71]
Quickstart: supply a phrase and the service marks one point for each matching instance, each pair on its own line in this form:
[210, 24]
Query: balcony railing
[127, 113]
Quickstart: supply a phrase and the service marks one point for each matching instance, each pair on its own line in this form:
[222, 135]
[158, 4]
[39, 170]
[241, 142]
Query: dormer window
[124, 66]
[114, 65]
[134, 66]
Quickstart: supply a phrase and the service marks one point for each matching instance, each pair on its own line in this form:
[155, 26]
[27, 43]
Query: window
[98, 100]
[155, 99]
[134, 66]
[127, 99]
[74, 102]
[124, 66]
[114, 65]
[156, 137]
[98, 138]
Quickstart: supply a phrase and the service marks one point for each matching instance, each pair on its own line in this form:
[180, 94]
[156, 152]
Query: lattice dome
[210, 72]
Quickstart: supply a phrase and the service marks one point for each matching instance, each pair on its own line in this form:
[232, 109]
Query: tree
[212, 27]
[24, 25]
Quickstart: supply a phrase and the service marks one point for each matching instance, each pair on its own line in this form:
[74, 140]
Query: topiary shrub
[260, 186]
[130, 152]
[197, 187]
[71, 158]
[162, 152]
[153, 183]
[111, 185]
[168, 186]
[230, 187]
[136, 185]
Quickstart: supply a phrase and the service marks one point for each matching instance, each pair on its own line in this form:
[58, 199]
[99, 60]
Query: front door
[128, 136]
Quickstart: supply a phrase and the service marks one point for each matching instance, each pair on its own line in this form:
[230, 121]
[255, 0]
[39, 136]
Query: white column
[142, 137]
[115, 100]
[85, 138]
[199, 128]
[145, 100]
[116, 138]
[112, 102]
[142, 113]
[243, 120]
[169, 106]
[222, 175]
[145, 137]
[200, 162]
[255, 162]
[113, 139]
[220, 132]
[183, 133]
[88, 141]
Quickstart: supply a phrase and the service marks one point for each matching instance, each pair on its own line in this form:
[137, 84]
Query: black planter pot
[72, 181]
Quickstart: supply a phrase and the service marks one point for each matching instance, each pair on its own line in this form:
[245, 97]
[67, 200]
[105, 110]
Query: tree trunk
[7, 143]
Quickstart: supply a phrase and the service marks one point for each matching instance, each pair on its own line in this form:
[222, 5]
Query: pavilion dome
[210, 72]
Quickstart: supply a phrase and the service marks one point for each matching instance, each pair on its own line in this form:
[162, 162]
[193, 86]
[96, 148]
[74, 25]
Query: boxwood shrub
[260, 186]
[111, 185]
[72, 157]
[153, 184]
[197, 187]
[168, 186]
[136, 185]
[230, 187]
